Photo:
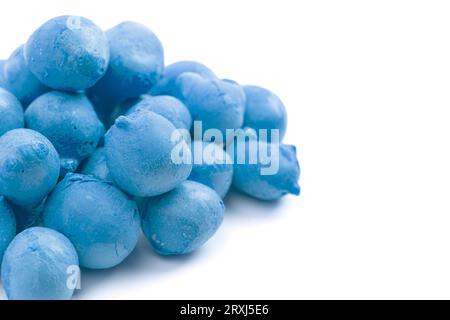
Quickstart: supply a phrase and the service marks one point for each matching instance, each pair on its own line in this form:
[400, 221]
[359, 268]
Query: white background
[366, 84]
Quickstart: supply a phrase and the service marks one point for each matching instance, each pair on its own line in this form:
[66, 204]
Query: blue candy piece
[96, 165]
[267, 181]
[182, 220]
[219, 104]
[7, 225]
[137, 63]
[264, 110]
[139, 153]
[68, 53]
[169, 107]
[167, 85]
[29, 167]
[100, 220]
[215, 169]
[69, 121]
[11, 112]
[40, 264]
[20, 80]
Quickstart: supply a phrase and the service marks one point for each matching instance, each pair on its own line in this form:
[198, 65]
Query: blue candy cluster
[99, 140]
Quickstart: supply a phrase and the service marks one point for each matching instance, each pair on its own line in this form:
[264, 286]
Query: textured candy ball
[214, 168]
[68, 53]
[100, 220]
[267, 180]
[136, 63]
[7, 225]
[167, 106]
[182, 220]
[69, 121]
[140, 150]
[167, 84]
[218, 104]
[20, 80]
[96, 165]
[29, 166]
[264, 110]
[40, 264]
[11, 112]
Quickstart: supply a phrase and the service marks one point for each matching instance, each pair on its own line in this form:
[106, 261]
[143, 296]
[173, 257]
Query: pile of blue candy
[95, 147]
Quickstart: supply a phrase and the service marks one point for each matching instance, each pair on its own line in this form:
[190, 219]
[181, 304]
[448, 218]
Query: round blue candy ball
[182, 220]
[136, 64]
[142, 152]
[218, 104]
[11, 112]
[267, 181]
[20, 80]
[100, 220]
[169, 107]
[40, 264]
[7, 225]
[264, 110]
[68, 53]
[215, 169]
[96, 165]
[167, 84]
[69, 121]
[29, 166]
